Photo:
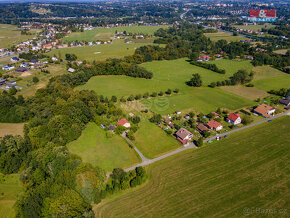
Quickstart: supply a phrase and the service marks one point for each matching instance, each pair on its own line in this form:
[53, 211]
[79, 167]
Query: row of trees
[212, 67]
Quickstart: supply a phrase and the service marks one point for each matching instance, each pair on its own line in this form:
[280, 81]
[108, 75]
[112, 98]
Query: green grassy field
[9, 35]
[108, 153]
[232, 66]
[275, 83]
[250, 93]
[174, 74]
[262, 72]
[108, 33]
[222, 35]
[222, 179]
[9, 191]
[201, 99]
[153, 141]
[118, 49]
[254, 27]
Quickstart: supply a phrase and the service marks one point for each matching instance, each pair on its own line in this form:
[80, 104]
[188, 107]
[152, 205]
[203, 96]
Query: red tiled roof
[182, 141]
[263, 109]
[213, 124]
[122, 122]
[233, 117]
[216, 114]
[182, 133]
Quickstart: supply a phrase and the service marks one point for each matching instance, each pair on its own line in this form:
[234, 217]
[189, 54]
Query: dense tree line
[211, 67]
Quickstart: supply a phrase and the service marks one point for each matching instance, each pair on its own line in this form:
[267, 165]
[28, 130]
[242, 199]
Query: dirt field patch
[251, 93]
[11, 129]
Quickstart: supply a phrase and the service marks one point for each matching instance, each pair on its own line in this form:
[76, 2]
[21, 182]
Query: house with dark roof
[112, 127]
[285, 102]
[21, 69]
[2, 81]
[215, 125]
[201, 128]
[183, 135]
[234, 118]
[14, 59]
[124, 122]
[264, 110]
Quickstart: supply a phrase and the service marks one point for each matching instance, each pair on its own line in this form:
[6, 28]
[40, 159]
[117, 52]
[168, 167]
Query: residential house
[234, 119]
[216, 115]
[2, 81]
[14, 59]
[32, 62]
[124, 122]
[169, 123]
[21, 70]
[24, 65]
[112, 127]
[183, 135]
[178, 112]
[71, 70]
[204, 58]
[215, 125]
[264, 110]
[201, 128]
[285, 102]
[54, 59]
[8, 67]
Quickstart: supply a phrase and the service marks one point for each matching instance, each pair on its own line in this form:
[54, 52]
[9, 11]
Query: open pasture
[10, 189]
[262, 72]
[153, 141]
[247, 170]
[275, 83]
[250, 93]
[102, 52]
[9, 35]
[173, 74]
[254, 27]
[226, 36]
[102, 33]
[94, 147]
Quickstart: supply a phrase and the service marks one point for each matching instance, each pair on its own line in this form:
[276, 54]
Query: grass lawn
[118, 49]
[250, 93]
[254, 27]
[9, 35]
[262, 72]
[11, 129]
[108, 153]
[232, 66]
[102, 33]
[174, 74]
[275, 83]
[201, 99]
[153, 141]
[248, 170]
[222, 35]
[9, 191]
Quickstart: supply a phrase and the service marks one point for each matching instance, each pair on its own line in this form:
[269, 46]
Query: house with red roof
[215, 125]
[234, 119]
[216, 115]
[124, 122]
[204, 58]
[264, 110]
[183, 135]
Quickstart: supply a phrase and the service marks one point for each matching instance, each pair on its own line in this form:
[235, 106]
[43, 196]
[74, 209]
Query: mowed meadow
[9, 35]
[174, 74]
[247, 170]
[102, 33]
[94, 147]
[118, 49]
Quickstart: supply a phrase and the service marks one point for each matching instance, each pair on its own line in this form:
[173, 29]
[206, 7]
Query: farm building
[264, 110]
[234, 119]
[183, 135]
[215, 125]
[124, 122]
